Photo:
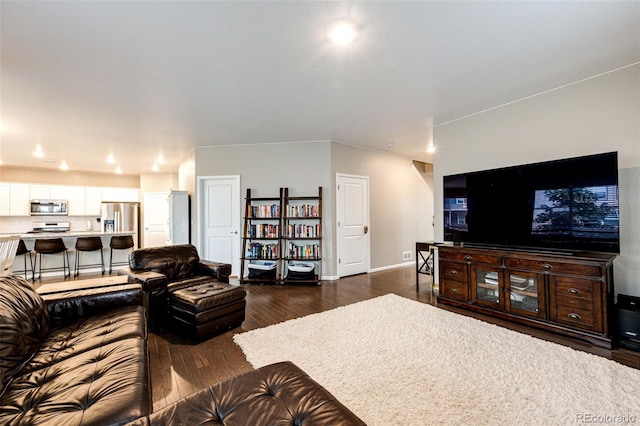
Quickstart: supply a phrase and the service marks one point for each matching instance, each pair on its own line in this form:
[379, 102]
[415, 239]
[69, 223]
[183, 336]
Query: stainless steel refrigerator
[121, 217]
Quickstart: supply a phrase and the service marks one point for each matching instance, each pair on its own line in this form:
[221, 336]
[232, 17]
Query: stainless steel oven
[49, 208]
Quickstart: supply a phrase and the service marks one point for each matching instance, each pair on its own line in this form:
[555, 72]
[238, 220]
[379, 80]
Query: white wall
[598, 115]
[401, 203]
[265, 168]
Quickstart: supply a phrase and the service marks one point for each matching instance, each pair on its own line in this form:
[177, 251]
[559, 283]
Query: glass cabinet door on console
[486, 286]
[525, 293]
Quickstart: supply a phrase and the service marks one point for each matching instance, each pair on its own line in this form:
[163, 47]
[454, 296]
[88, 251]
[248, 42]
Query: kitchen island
[52, 264]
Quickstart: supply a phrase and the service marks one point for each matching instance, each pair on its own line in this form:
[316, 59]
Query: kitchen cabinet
[75, 195]
[39, 192]
[14, 199]
[92, 200]
[120, 194]
[57, 192]
[5, 196]
[19, 199]
[570, 294]
[83, 201]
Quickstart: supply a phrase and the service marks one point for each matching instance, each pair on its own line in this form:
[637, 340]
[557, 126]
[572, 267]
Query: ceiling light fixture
[118, 170]
[431, 149]
[111, 159]
[160, 159]
[155, 167]
[64, 166]
[38, 152]
[343, 32]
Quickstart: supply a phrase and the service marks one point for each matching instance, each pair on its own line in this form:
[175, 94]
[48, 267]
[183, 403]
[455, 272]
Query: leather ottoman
[204, 310]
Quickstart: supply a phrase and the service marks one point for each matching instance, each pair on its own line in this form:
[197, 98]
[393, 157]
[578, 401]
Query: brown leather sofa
[192, 292]
[80, 357]
[73, 358]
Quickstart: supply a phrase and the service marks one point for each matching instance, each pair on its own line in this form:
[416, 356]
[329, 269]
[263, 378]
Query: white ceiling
[139, 78]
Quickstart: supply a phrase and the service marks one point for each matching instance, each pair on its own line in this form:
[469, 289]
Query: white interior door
[352, 207]
[220, 213]
[156, 219]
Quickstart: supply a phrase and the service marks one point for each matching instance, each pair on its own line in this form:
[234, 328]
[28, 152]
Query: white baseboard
[329, 277]
[398, 265]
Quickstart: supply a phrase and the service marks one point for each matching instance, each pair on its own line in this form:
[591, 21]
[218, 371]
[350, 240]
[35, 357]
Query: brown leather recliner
[192, 292]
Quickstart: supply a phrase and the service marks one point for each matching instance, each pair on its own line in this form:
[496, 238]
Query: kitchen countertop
[36, 235]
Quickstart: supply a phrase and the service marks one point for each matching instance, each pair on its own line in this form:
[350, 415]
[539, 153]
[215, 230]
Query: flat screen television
[563, 205]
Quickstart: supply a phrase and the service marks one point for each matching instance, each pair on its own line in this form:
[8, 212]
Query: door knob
[366, 229]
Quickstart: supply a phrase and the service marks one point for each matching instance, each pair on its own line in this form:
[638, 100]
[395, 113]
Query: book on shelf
[307, 251]
[264, 211]
[263, 230]
[303, 231]
[262, 251]
[302, 210]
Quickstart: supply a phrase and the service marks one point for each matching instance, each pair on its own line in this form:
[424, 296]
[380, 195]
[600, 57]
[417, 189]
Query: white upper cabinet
[120, 194]
[83, 201]
[92, 200]
[39, 192]
[58, 192]
[19, 199]
[75, 195]
[5, 197]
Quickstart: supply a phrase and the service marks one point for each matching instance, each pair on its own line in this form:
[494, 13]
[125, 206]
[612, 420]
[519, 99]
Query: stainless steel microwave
[49, 208]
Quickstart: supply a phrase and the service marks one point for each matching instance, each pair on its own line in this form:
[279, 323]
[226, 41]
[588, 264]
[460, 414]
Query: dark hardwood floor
[180, 367]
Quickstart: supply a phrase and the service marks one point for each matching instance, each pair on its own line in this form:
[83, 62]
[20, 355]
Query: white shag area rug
[395, 361]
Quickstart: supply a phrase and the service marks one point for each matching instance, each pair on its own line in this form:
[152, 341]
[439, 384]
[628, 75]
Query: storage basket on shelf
[263, 269]
[300, 271]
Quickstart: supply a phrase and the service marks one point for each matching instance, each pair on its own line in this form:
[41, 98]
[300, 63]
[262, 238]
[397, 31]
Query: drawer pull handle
[573, 291]
[547, 266]
[455, 290]
[575, 316]
[467, 257]
[453, 271]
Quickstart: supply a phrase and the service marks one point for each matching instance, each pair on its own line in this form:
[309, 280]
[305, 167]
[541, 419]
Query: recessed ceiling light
[160, 159]
[155, 167]
[64, 166]
[342, 32]
[111, 159]
[118, 170]
[390, 144]
[38, 152]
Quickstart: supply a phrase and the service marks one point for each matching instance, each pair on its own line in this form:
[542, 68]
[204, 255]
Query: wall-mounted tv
[569, 205]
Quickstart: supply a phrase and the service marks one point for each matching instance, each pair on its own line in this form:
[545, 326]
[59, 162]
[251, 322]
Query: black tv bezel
[600, 167]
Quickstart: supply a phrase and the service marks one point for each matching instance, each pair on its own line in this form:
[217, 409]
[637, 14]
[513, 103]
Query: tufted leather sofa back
[177, 262]
[24, 323]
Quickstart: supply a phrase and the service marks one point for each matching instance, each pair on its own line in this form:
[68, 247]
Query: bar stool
[52, 246]
[119, 242]
[23, 250]
[88, 244]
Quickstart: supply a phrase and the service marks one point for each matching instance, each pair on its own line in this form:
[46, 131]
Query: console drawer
[455, 289]
[453, 271]
[470, 257]
[579, 316]
[573, 288]
[541, 265]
